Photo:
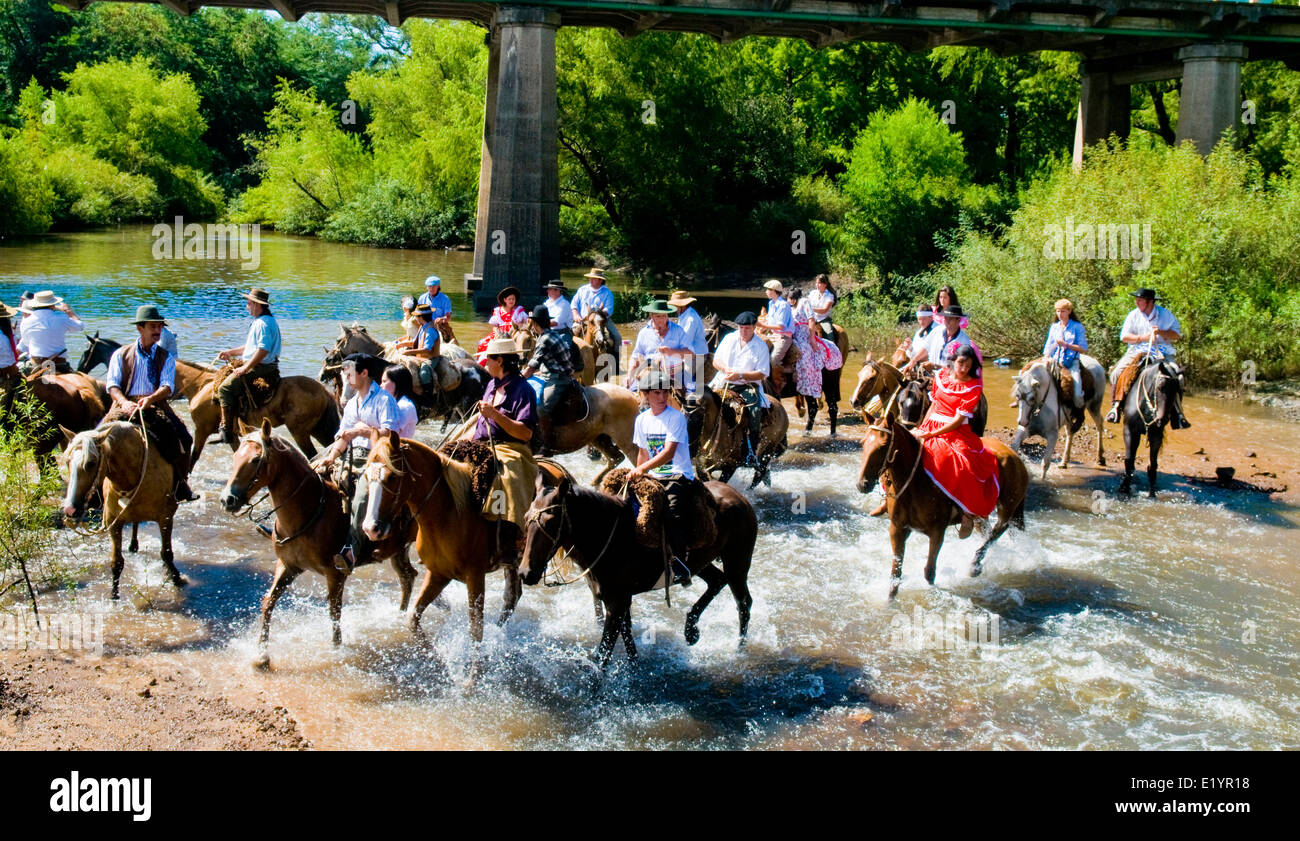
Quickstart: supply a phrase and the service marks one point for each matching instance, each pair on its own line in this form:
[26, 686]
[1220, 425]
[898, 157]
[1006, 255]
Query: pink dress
[958, 461]
[808, 370]
[502, 320]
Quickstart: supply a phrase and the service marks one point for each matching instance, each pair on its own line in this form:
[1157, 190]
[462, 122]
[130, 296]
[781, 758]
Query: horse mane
[204, 368]
[455, 473]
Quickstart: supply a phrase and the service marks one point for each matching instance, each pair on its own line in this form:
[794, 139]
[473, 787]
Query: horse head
[1029, 392]
[868, 384]
[911, 402]
[546, 522]
[85, 460]
[249, 473]
[386, 473]
[1166, 387]
[876, 449]
[900, 353]
[98, 352]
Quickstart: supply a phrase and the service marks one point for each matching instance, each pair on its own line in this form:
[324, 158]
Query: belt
[944, 418]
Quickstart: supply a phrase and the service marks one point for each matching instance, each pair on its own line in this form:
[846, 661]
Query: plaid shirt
[552, 356]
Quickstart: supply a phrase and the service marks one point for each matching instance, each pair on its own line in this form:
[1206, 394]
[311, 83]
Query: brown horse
[890, 450]
[76, 402]
[135, 483]
[456, 542]
[876, 380]
[311, 524]
[718, 434]
[301, 404]
[594, 331]
[599, 532]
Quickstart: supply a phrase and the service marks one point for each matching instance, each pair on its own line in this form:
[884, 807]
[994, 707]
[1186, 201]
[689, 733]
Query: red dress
[957, 461]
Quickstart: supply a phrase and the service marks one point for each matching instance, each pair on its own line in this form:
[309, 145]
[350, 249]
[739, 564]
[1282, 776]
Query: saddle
[570, 404]
[1125, 378]
[482, 463]
[651, 505]
[258, 392]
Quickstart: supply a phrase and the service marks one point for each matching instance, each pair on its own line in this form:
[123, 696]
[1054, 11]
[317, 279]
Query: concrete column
[1210, 102]
[517, 236]
[1103, 111]
[474, 280]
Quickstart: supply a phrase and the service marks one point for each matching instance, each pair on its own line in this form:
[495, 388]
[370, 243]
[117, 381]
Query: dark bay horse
[599, 533]
[919, 505]
[1154, 399]
[311, 524]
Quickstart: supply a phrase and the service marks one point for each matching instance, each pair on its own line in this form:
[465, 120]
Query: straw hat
[147, 314]
[598, 274]
[680, 299]
[500, 347]
[774, 285]
[258, 296]
[42, 300]
[7, 312]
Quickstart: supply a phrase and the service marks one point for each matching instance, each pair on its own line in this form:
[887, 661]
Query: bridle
[399, 467]
[535, 517]
[260, 462]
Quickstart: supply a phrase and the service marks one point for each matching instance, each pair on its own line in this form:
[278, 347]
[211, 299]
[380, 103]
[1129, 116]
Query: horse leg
[168, 559]
[284, 576]
[115, 534]
[596, 603]
[134, 546]
[405, 574]
[614, 611]
[1131, 440]
[514, 589]
[1155, 437]
[334, 581]
[716, 580]
[1069, 445]
[898, 543]
[1049, 449]
[736, 566]
[812, 413]
[625, 628]
[429, 590]
[1095, 411]
[613, 456]
[977, 566]
[936, 541]
[475, 585]
[302, 437]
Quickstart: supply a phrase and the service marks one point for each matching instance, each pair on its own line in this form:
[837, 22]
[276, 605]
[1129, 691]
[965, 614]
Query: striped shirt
[141, 385]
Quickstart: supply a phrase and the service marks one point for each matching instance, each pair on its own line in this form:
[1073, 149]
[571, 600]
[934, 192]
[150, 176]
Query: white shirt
[653, 433]
[1137, 324]
[407, 416]
[6, 353]
[45, 332]
[693, 326]
[817, 299]
[168, 341]
[939, 340]
[561, 312]
[376, 409]
[731, 354]
[920, 342]
[648, 342]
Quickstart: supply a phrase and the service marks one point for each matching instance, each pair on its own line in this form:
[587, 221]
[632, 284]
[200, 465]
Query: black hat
[1143, 292]
[555, 284]
[746, 319]
[372, 365]
[541, 315]
[509, 290]
[952, 311]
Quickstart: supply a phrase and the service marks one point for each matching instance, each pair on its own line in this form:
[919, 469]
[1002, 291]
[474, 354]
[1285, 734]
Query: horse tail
[327, 425]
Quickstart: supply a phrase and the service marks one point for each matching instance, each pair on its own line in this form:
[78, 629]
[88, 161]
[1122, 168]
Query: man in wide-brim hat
[696, 338]
[595, 295]
[141, 378]
[508, 420]
[45, 330]
[1149, 329]
[427, 340]
[943, 340]
[661, 344]
[743, 363]
[558, 306]
[260, 353]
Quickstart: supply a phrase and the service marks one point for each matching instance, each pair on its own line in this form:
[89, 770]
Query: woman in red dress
[955, 458]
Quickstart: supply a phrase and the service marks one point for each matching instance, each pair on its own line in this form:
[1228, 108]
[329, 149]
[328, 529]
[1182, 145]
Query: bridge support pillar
[1210, 102]
[516, 240]
[1103, 111]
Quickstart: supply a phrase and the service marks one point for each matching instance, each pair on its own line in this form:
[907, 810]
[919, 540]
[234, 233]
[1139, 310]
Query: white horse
[1041, 412]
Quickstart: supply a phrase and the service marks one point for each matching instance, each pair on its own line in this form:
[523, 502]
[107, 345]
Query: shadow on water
[1029, 600]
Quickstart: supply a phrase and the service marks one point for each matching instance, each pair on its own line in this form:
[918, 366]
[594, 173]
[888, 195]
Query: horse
[889, 449]
[1044, 409]
[455, 540]
[301, 404]
[1155, 397]
[594, 330]
[877, 380]
[460, 382]
[76, 402]
[718, 436]
[135, 482]
[596, 527]
[311, 524]
[97, 353]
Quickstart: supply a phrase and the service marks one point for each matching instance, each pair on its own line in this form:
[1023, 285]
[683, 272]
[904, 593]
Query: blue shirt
[693, 326]
[440, 303]
[141, 385]
[779, 315]
[1073, 333]
[168, 341]
[264, 334]
[587, 299]
[426, 337]
[376, 409]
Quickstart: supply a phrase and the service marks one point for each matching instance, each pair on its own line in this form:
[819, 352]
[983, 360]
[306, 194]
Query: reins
[889, 457]
[127, 499]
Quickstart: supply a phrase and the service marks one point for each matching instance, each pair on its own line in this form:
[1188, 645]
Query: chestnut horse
[599, 532]
[311, 524]
[890, 450]
[301, 404]
[876, 380]
[76, 402]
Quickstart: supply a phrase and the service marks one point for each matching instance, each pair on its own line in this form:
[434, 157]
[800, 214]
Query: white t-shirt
[817, 299]
[561, 312]
[1137, 324]
[654, 432]
[407, 416]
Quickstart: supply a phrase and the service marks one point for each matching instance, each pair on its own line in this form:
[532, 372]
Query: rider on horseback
[45, 328]
[596, 296]
[507, 420]
[261, 355]
[141, 376]
[558, 306]
[424, 344]
[369, 408]
[942, 344]
[662, 344]
[1148, 331]
[1065, 341]
[742, 363]
[439, 304]
[664, 454]
[921, 338]
[554, 361]
[780, 321]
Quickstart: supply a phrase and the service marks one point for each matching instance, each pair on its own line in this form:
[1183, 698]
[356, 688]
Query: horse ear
[868, 359]
[869, 418]
[394, 440]
[266, 427]
[563, 486]
[68, 434]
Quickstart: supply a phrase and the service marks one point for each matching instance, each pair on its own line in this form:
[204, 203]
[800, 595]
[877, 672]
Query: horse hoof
[116, 596]
[263, 663]
[179, 581]
[692, 634]
[976, 569]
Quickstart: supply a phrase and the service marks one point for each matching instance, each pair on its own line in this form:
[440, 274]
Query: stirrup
[681, 572]
[345, 560]
[1113, 415]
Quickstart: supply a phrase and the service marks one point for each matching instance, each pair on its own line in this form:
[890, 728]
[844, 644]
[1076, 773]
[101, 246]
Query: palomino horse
[311, 524]
[76, 402]
[301, 404]
[1044, 410]
[135, 482]
[718, 433]
[1155, 398]
[890, 450]
[455, 540]
[599, 532]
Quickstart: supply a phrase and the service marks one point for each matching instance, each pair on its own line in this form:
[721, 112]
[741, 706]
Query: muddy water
[1166, 623]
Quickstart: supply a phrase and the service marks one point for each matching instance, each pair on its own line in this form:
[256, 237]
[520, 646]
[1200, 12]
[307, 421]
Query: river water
[1149, 624]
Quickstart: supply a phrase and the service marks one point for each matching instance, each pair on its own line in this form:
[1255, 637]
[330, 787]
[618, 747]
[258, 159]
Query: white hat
[42, 300]
[499, 347]
[774, 285]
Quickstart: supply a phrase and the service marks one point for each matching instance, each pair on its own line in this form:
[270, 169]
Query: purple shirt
[515, 399]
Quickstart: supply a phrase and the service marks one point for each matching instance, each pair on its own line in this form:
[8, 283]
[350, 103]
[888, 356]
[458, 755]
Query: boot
[833, 415]
[230, 426]
[1113, 415]
[182, 489]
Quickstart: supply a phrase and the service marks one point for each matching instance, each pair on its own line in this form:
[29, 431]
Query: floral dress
[808, 370]
[958, 461]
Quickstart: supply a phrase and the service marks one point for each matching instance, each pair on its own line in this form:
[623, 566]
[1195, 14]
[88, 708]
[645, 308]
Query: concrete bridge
[1123, 42]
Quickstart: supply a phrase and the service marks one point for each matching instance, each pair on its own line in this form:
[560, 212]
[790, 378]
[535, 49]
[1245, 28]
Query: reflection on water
[1150, 624]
